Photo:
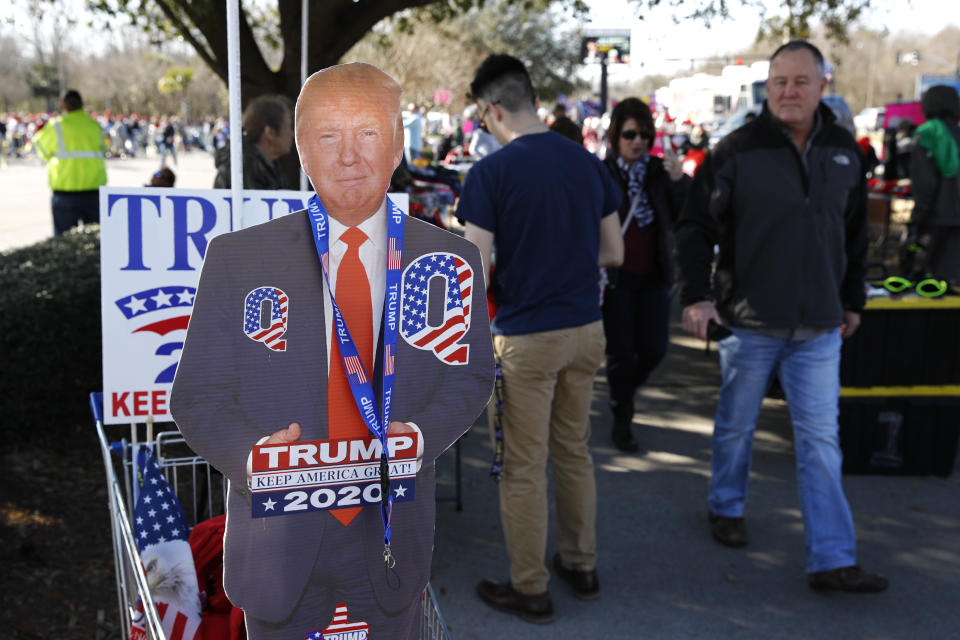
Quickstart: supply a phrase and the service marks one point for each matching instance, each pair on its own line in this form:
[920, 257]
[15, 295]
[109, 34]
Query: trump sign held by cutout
[152, 245]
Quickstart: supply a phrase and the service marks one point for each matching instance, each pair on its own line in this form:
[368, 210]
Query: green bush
[50, 355]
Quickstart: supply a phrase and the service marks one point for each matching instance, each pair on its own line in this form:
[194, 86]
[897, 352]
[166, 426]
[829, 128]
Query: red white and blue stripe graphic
[388, 359]
[253, 323]
[443, 337]
[355, 368]
[394, 255]
[340, 628]
[176, 626]
[162, 536]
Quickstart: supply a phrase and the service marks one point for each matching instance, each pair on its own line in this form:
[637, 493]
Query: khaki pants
[548, 384]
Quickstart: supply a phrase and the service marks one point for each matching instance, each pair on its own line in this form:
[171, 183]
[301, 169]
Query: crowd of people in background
[431, 135]
[129, 135]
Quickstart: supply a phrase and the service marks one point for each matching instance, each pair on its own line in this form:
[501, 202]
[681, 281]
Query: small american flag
[175, 627]
[394, 255]
[442, 339]
[252, 326]
[162, 535]
[355, 367]
[388, 358]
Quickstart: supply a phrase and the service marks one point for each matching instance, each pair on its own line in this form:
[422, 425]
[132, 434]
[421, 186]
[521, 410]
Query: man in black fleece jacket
[785, 199]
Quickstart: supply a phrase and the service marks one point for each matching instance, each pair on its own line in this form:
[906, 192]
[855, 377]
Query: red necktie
[353, 297]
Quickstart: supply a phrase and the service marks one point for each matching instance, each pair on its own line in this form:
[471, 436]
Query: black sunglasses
[633, 133]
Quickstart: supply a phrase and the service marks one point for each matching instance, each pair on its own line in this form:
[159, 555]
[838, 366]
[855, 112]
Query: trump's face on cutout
[350, 138]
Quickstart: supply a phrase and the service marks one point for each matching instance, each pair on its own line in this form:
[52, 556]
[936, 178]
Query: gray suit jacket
[230, 391]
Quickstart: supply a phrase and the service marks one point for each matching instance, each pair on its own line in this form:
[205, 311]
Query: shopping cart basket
[202, 493]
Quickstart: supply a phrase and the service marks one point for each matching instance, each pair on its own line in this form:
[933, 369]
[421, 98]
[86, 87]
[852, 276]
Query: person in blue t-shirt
[548, 209]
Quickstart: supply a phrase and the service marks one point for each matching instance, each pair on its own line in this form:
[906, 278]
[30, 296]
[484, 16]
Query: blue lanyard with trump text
[353, 365]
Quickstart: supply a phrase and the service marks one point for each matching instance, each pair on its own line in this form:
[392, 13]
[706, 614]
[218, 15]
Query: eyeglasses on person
[633, 133]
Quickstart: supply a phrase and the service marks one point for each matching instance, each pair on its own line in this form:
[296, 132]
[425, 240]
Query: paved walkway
[25, 215]
[662, 575]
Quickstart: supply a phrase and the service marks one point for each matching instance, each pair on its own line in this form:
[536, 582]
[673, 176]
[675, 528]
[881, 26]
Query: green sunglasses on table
[928, 288]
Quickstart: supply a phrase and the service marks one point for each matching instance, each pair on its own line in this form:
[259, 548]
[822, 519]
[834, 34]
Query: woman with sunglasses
[636, 303]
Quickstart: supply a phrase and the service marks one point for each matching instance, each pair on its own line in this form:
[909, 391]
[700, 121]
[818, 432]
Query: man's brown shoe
[586, 584]
[729, 531]
[536, 608]
[853, 579]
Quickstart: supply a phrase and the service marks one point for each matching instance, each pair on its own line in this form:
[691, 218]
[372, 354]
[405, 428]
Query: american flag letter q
[271, 328]
[440, 335]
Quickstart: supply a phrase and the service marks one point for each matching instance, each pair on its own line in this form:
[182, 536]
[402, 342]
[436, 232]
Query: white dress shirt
[373, 255]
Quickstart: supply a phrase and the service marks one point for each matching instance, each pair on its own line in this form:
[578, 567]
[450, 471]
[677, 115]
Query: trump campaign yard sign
[152, 244]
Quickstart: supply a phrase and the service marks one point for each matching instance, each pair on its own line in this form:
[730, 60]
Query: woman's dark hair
[628, 108]
[266, 111]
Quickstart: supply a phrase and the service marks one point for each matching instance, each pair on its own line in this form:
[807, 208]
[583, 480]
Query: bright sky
[656, 38]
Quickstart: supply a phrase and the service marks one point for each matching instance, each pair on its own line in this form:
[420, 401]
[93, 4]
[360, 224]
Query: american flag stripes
[162, 534]
[465, 277]
[388, 359]
[353, 366]
[175, 627]
[252, 324]
[340, 628]
[393, 255]
[441, 337]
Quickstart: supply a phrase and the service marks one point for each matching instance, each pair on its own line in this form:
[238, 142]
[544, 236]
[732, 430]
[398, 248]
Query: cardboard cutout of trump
[332, 355]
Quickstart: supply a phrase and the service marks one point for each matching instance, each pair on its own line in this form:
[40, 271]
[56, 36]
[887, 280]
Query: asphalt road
[25, 215]
[662, 575]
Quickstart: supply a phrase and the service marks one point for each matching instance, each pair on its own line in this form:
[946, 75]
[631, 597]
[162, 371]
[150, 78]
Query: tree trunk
[335, 26]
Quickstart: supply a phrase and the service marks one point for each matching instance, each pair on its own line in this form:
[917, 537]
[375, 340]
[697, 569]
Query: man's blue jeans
[809, 371]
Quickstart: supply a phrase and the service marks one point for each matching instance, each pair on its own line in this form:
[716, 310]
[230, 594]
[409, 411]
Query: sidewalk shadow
[663, 576]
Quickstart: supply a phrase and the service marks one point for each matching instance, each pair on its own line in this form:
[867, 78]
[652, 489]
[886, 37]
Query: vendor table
[900, 387]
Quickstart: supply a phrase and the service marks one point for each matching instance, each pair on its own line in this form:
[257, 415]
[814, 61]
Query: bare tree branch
[187, 33]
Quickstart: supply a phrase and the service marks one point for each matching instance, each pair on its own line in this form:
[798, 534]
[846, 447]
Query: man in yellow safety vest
[73, 145]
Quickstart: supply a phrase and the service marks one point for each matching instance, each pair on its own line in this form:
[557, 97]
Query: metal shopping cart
[202, 493]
